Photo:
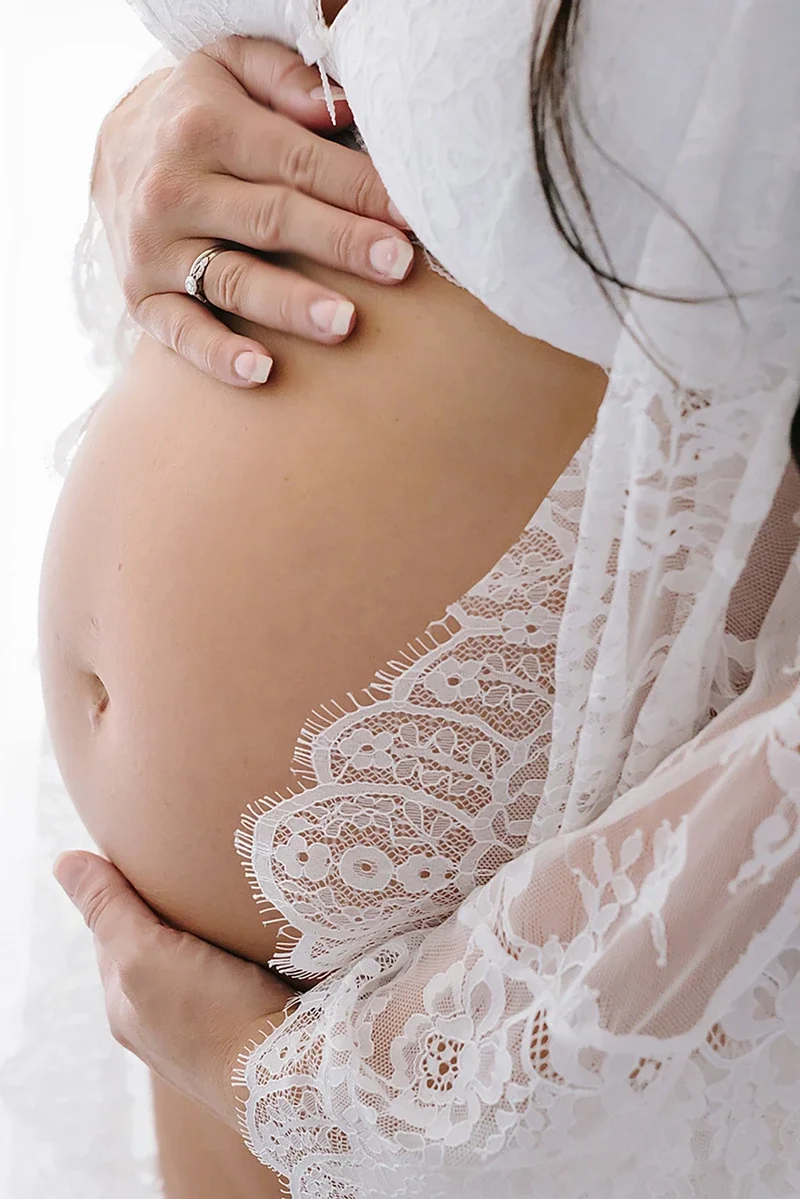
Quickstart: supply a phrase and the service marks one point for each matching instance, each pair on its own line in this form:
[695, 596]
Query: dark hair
[555, 115]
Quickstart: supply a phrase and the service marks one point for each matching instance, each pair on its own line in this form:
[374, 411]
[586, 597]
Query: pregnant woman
[496, 591]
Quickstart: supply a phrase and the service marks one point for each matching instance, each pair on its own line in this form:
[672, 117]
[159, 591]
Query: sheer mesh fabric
[549, 860]
[426, 784]
[617, 1000]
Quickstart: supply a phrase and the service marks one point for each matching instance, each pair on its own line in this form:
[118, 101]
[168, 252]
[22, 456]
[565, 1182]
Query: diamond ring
[193, 283]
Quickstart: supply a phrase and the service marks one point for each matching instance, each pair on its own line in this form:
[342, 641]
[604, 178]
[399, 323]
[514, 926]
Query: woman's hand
[215, 150]
[186, 1008]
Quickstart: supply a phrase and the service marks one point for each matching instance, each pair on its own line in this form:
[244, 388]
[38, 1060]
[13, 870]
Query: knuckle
[299, 164]
[116, 1011]
[193, 125]
[140, 244]
[161, 191]
[116, 1022]
[144, 312]
[367, 192]
[180, 334]
[131, 291]
[213, 355]
[227, 51]
[207, 352]
[229, 283]
[286, 312]
[97, 902]
[134, 969]
[270, 219]
[118, 1027]
[343, 242]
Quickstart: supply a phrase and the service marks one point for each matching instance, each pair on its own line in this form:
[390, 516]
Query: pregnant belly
[221, 564]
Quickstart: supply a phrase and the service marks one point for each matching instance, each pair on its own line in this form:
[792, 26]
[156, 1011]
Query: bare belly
[221, 563]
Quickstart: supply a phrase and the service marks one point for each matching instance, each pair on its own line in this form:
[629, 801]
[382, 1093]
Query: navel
[99, 699]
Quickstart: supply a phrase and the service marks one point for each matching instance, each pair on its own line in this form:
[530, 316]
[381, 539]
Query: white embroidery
[603, 732]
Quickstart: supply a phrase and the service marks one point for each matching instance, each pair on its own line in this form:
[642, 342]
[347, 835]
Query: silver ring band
[193, 283]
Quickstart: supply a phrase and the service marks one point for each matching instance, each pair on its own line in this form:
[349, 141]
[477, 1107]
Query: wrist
[237, 1086]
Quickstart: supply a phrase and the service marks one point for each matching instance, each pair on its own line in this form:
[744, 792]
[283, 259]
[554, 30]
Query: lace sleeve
[621, 1002]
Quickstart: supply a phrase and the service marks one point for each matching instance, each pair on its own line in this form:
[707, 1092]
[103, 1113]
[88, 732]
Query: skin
[218, 1164]
[225, 147]
[186, 1009]
[221, 562]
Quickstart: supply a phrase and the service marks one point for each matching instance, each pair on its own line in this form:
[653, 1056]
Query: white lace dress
[551, 857]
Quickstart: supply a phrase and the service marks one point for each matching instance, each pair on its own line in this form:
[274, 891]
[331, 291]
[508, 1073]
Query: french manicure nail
[254, 368]
[318, 93]
[391, 256]
[332, 316]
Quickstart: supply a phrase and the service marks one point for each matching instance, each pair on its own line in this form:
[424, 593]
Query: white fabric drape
[615, 1011]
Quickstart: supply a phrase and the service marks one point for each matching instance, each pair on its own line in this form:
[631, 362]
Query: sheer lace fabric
[427, 783]
[551, 855]
[616, 1009]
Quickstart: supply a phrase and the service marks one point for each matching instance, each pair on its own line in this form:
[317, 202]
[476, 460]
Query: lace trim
[441, 761]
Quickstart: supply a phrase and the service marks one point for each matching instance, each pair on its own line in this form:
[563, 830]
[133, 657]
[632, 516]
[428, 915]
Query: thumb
[113, 911]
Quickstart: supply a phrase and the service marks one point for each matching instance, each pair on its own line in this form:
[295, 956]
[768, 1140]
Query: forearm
[578, 985]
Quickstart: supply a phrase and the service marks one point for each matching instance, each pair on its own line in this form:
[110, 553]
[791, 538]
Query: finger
[113, 911]
[269, 148]
[196, 334]
[278, 78]
[276, 298]
[273, 218]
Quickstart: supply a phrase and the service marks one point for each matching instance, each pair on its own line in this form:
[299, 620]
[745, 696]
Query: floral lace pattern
[568, 1017]
[420, 793]
[608, 1014]
[552, 856]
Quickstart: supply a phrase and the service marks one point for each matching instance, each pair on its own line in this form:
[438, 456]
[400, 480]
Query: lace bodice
[551, 855]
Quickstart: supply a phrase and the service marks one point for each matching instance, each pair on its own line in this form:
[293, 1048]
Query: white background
[64, 63]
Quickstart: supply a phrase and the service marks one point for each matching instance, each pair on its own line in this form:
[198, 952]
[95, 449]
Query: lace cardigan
[550, 857]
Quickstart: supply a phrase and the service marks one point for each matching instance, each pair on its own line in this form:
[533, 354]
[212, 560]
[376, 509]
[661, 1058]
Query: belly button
[100, 700]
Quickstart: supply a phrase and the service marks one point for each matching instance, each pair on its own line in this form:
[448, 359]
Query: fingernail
[391, 256]
[254, 368]
[332, 316]
[318, 93]
[396, 215]
[68, 871]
